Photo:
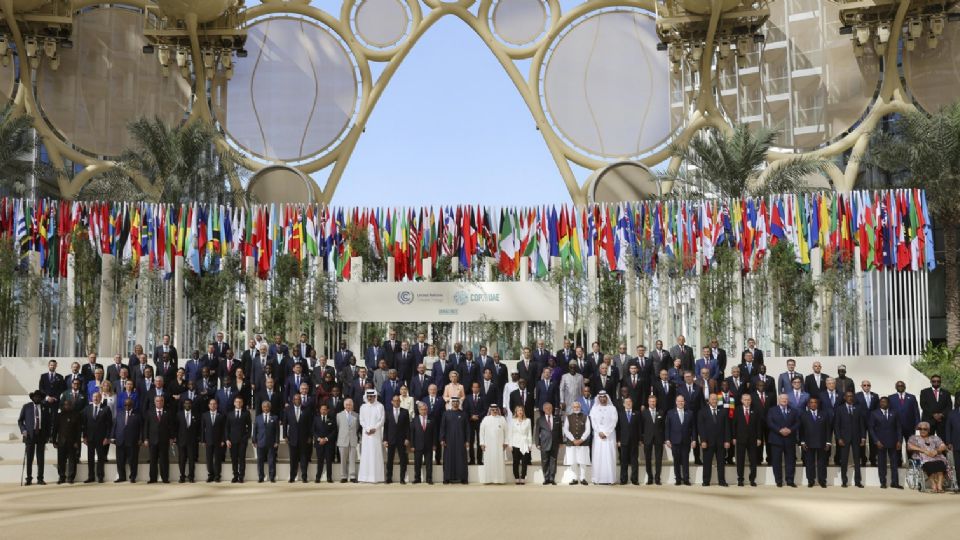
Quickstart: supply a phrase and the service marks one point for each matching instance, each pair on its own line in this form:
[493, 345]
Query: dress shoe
[305, 481]
[403, 482]
[166, 481]
[273, 480]
[779, 484]
[678, 483]
[791, 484]
[844, 484]
[99, 480]
[87, 481]
[181, 481]
[753, 483]
[28, 482]
[388, 481]
[41, 483]
[416, 482]
[883, 486]
[649, 482]
[823, 485]
[574, 482]
[896, 486]
[622, 482]
[60, 481]
[118, 480]
[810, 484]
[706, 484]
[317, 481]
[635, 482]
[151, 481]
[429, 482]
[353, 480]
[697, 462]
[465, 482]
[583, 482]
[259, 480]
[658, 482]
[234, 480]
[329, 480]
[292, 480]
[133, 480]
[723, 484]
[739, 483]
[859, 485]
[686, 482]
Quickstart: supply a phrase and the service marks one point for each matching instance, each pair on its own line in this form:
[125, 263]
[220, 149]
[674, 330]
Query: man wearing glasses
[868, 402]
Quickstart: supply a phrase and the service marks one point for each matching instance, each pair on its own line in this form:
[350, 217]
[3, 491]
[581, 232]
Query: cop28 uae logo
[461, 297]
[405, 297]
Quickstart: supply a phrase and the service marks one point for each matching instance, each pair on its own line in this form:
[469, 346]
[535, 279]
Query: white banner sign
[456, 302]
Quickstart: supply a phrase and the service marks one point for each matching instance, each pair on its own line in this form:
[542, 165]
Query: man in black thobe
[453, 439]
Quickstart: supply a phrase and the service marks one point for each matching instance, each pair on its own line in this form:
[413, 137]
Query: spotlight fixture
[915, 27]
[862, 33]
[696, 52]
[883, 32]
[148, 49]
[182, 57]
[936, 25]
[49, 47]
[743, 46]
[241, 53]
[723, 50]
[226, 58]
[163, 55]
[55, 63]
[932, 40]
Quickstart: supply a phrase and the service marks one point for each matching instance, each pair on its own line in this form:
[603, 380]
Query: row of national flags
[892, 229]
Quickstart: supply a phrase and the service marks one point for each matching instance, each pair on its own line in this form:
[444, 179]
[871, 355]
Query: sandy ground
[263, 510]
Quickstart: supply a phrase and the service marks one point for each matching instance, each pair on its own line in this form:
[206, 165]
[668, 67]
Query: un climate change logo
[405, 297]
[461, 297]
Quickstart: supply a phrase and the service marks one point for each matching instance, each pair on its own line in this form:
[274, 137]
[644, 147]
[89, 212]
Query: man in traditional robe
[453, 439]
[371, 444]
[603, 418]
[571, 386]
[493, 436]
[576, 433]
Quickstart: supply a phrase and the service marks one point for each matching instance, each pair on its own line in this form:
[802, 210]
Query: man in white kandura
[372, 469]
[603, 419]
[576, 431]
[493, 442]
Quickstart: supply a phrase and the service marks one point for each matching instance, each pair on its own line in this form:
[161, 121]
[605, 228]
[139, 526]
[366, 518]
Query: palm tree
[183, 163]
[16, 151]
[922, 150]
[730, 165]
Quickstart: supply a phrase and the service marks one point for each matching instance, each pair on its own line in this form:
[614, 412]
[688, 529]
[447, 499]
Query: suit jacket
[685, 355]
[27, 422]
[862, 402]
[212, 430]
[693, 399]
[637, 390]
[493, 396]
[659, 360]
[168, 370]
[297, 432]
[798, 402]
[388, 390]
[539, 357]
[748, 372]
[652, 429]
[87, 372]
[929, 405]
[850, 426]
[266, 432]
[475, 407]
[546, 438]
[516, 400]
[127, 433]
[188, 435]
[666, 399]
[372, 357]
[825, 403]
[419, 351]
[237, 430]
[563, 356]
[325, 428]
[396, 431]
[303, 350]
[346, 436]
[845, 384]
[223, 369]
[501, 374]
[157, 431]
[220, 348]
[908, 412]
[815, 384]
[702, 363]
[815, 431]
[422, 439]
[884, 429]
[678, 432]
[95, 429]
[721, 359]
[757, 356]
[777, 420]
[737, 386]
[530, 373]
[79, 402]
[596, 385]
[785, 381]
[469, 373]
[745, 432]
[547, 393]
[629, 433]
[112, 373]
[390, 351]
[345, 376]
[291, 386]
[54, 387]
[713, 429]
[952, 431]
[418, 388]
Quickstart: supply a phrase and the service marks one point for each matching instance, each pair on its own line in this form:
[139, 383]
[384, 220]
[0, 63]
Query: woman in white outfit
[521, 439]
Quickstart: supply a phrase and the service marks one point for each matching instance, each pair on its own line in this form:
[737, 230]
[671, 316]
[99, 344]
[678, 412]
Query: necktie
[936, 395]
[629, 416]
[187, 415]
[396, 416]
[296, 413]
[714, 414]
[96, 411]
[634, 380]
[158, 415]
[238, 413]
[746, 415]
[680, 414]
[783, 410]
[849, 409]
[664, 386]
[550, 423]
[762, 400]
[885, 417]
[264, 418]
[36, 418]
[423, 423]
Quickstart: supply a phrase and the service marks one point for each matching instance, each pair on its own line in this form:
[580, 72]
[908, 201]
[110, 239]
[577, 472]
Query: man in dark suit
[390, 348]
[297, 426]
[158, 390]
[212, 435]
[126, 437]
[51, 385]
[635, 386]
[547, 390]
[498, 371]
[188, 435]
[469, 370]
[440, 371]
[66, 439]
[850, 429]
[305, 350]
[719, 356]
[684, 352]
[405, 362]
[157, 435]
[629, 432]
[325, 439]
[97, 425]
[292, 385]
[735, 383]
[660, 358]
[868, 402]
[420, 383]
[539, 355]
[547, 437]
[783, 424]
[755, 353]
[664, 391]
[372, 356]
[475, 408]
[279, 350]
[228, 365]
[528, 369]
[112, 373]
[73, 375]
[489, 389]
[603, 381]
[884, 429]
[713, 431]
[35, 423]
[907, 410]
[266, 438]
[210, 360]
[749, 368]
[89, 369]
[935, 404]
[652, 431]
[268, 393]
[745, 434]
[396, 438]
[564, 355]
[422, 440]
[680, 433]
[522, 397]
[435, 409]
[420, 348]
[165, 348]
[707, 362]
[815, 432]
[816, 382]
[236, 435]
[763, 401]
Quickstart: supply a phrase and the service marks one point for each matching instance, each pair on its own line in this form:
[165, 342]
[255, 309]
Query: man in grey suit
[266, 437]
[684, 352]
[348, 438]
[548, 442]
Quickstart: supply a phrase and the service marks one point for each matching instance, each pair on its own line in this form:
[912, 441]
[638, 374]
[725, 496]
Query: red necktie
[746, 416]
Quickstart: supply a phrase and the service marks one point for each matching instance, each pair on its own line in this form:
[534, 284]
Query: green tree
[16, 151]
[731, 165]
[922, 150]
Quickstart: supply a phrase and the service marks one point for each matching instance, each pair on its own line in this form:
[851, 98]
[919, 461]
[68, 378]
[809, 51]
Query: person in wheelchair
[930, 451]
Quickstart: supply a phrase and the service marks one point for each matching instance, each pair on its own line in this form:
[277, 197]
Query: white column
[861, 304]
[427, 269]
[250, 321]
[391, 269]
[143, 298]
[107, 265]
[355, 329]
[524, 276]
[666, 310]
[560, 326]
[487, 269]
[68, 334]
[818, 312]
[179, 305]
[29, 344]
[593, 284]
[631, 309]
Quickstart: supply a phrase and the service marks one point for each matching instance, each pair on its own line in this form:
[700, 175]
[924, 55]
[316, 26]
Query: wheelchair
[916, 479]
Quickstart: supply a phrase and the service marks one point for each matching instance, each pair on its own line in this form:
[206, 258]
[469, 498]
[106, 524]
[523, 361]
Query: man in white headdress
[603, 420]
[576, 432]
[493, 442]
[371, 444]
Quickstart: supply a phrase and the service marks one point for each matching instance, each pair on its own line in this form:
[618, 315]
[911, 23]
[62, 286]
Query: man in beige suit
[348, 438]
